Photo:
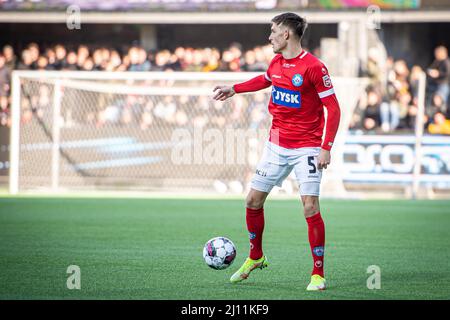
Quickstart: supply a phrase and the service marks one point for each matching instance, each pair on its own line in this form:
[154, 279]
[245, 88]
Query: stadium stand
[388, 105]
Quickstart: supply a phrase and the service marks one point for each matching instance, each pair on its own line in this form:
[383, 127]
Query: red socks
[255, 227]
[316, 236]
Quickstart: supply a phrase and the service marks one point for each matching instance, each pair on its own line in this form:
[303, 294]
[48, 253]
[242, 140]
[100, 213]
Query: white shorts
[277, 163]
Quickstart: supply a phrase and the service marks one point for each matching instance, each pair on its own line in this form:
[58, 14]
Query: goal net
[158, 131]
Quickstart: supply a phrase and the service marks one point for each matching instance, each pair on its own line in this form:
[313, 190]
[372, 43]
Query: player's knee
[254, 201]
[310, 206]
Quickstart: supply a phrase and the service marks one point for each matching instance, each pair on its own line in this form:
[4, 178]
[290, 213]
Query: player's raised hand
[324, 159]
[222, 93]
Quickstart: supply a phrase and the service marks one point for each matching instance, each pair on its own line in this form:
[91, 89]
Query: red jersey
[301, 86]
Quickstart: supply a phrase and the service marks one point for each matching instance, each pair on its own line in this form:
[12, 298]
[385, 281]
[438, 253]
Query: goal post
[152, 131]
[419, 136]
[14, 134]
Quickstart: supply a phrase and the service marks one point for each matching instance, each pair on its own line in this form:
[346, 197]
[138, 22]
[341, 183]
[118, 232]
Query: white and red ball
[219, 253]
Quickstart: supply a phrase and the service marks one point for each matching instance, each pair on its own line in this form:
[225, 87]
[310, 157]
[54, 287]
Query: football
[219, 253]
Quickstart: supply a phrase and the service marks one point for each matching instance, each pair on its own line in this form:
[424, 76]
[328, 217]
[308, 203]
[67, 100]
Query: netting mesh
[159, 134]
[36, 135]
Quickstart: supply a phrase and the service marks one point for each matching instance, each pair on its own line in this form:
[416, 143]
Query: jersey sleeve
[257, 83]
[322, 84]
[268, 74]
[254, 84]
[321, 80]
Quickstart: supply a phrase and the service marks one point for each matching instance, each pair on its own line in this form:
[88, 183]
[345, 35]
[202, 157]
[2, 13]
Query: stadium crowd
[391, 100]
[389, 104]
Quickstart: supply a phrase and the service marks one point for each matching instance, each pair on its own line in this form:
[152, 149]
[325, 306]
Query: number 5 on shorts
[312, 164]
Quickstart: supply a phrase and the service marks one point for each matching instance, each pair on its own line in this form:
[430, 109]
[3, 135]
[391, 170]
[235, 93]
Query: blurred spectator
[115, 62]
[51, 58]
[250, 62]
[374, 71]
[210, 59]
[194, 61]
[404, 106]
[399, 96]
[4, 119]
[174, 63]
[138, 60]
[147, 116]
[257, 111]
[106, 54]
[111, 114]
[414, 76]
[220, 112]
[440, 124]
[82, 56]
[372, 117]
[238, 109]
[396, 96]
[401, 74]
[26, 63]
[389, 104]
[389, 115]
[237, 60]
[212, 64]
[60, 57]
[262, 60]
[227, 58]
[181, 117]
[10, 58]
[33, 48]
[166, 109]
[5, 77]
[44, 101]
[83, 51]
[71, 63]
[162, 61]
[88, 65]
[42, 63]
[127, 116]
[439, 72]
[97, 57]
[437, 105]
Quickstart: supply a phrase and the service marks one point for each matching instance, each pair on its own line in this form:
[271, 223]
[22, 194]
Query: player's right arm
[257, 83]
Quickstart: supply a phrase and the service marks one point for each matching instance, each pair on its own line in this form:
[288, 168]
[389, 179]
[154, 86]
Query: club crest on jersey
[297, 80]
[318, 251]
[286, 97]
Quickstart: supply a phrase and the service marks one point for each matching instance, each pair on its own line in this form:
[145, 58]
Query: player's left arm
[324, 88]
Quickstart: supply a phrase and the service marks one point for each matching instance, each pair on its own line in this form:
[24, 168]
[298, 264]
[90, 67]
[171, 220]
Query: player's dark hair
[293, 21]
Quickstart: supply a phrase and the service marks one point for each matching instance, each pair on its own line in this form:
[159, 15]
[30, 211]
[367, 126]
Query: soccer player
[301, 86]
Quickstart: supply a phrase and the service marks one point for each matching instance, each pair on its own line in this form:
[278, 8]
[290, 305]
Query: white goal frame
[332, 179]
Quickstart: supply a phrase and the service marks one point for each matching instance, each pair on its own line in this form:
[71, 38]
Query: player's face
[278, 38]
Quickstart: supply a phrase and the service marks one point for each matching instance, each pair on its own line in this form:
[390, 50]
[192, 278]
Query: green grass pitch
[135, 248]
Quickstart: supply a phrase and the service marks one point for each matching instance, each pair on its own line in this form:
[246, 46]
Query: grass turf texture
[152, 249]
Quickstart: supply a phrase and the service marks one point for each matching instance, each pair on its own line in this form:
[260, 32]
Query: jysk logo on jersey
[285, 97]
[297, 80]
